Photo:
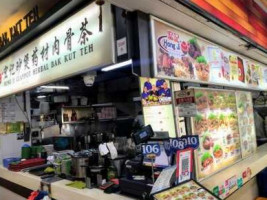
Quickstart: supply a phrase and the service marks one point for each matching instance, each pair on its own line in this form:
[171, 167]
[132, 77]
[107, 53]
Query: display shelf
[102, 104]
[124, 118]
[105, 120]
[76, 106]
[260, 106]
[255, 163]
[50, 113]
[75, 122]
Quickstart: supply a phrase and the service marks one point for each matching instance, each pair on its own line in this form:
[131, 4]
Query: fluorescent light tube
[41, 97]
[55, 87]
[117, 65]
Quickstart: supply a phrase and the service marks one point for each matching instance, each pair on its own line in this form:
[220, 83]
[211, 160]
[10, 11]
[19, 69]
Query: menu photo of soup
[216, 123]
[187, 191]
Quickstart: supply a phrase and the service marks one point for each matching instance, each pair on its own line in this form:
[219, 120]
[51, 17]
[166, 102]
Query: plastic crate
[7, 161]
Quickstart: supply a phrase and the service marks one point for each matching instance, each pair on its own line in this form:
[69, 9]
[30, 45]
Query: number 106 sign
[153, 148]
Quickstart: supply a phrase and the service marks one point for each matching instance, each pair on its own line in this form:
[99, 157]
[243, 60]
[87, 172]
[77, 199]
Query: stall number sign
[151, 149]
[184, 142]
[185, 100]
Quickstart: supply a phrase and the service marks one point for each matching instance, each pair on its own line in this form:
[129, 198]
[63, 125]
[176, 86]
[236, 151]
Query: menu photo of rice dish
[187, 191]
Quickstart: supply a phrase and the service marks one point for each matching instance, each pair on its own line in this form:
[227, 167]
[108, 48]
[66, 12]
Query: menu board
[188, 190]
[179, 55]
[216, 123]
[246, 123]
[156, 98]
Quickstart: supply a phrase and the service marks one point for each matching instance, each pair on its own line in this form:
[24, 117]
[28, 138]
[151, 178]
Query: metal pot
[79, 165]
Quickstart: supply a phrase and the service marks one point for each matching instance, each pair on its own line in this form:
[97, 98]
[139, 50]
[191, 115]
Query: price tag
[185, 100]
[152, 148]
[184, 142]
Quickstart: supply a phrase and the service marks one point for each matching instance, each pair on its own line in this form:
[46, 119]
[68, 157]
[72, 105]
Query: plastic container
[25, 152]
[7, 161]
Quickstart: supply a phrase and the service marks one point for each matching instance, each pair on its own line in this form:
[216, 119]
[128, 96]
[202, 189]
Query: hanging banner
[182, 56]
[72, 47]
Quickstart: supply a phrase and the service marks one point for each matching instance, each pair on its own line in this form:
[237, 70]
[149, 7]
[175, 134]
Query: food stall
[216, 103]
[70, 106]
[87, 125]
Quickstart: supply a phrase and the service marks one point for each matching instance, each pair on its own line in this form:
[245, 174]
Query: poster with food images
[216, 123]
[156, 98]
[248, 73]
[189, 190]
[233, 68]
[182, 56]
[216, 65]
[246, 123]
[256, 74]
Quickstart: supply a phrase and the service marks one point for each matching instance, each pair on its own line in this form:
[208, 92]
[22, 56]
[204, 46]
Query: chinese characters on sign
[52, 56]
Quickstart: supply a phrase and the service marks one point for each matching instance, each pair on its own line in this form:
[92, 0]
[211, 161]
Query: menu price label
[185, 100]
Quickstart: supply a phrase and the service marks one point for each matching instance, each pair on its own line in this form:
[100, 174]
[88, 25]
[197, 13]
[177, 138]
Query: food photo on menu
[180, 55]
[246, 122]
[155, 92]
[186, 191]
[216, 123]
[186, 62]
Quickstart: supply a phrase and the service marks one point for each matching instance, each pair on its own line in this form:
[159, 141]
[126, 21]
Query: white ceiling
[9, 7]
[175, 13]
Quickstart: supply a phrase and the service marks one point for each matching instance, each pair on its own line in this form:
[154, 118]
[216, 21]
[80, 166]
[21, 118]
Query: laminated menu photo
[189, 190]
[216, 123]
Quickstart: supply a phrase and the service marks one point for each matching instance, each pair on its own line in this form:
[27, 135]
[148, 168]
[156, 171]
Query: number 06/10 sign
[153, 148]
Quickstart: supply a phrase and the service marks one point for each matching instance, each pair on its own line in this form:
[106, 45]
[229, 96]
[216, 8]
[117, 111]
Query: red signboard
[247, 17]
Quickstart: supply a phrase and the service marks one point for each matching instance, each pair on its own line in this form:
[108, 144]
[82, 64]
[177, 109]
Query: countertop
[59, 189]
[245, 169]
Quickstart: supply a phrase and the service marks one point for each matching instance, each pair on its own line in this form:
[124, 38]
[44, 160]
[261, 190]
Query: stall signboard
[182, 56]
[156, 97]
[216, 124]
[246, 123]
[74, 46]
